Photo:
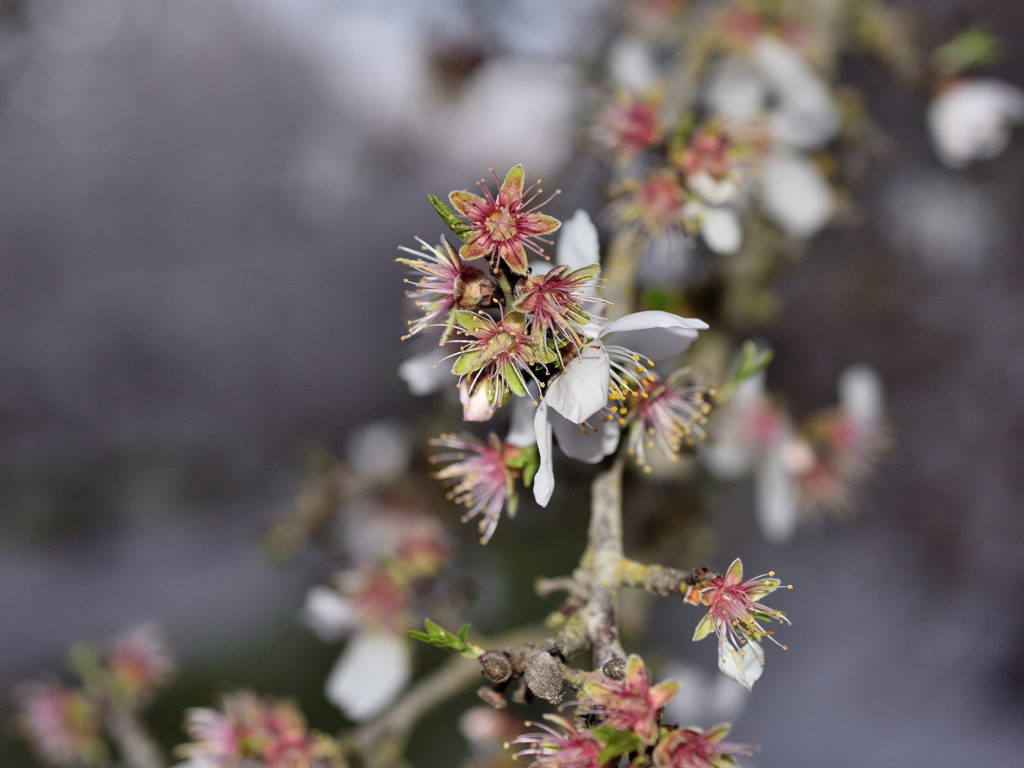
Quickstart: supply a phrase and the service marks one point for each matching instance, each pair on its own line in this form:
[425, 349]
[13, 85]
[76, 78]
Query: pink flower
[446, 284]
[632, 704]
[495, 354]
[483, 477]
[654, 205]
[555, 302]
[257, 731]
[629, 124]
[696, 748]
[139, 662]
[735, 612]
[62, 724]
[666, 415]
[564, 748]
[503, 227]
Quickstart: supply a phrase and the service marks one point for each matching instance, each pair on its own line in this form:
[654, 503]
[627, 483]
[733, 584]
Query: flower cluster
[626, 719]
[68, 725]
[805, 469]
[249, 730]
[538, 337]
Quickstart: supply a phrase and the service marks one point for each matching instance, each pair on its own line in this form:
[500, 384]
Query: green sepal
[468, 362]
[474, 322]
[449, 217]
[616, 742]
[527, 460]
[439, 637]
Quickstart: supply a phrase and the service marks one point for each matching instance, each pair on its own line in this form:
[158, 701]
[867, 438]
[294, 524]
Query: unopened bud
[544, 676]
[496, 666]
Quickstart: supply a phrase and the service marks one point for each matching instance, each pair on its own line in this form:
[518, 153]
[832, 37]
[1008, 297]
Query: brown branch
[603, 559]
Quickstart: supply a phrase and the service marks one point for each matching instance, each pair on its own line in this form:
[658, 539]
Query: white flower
[971, 120]
[371, 672]
[375, 665]
[603, 369]
[774, 81]
[794, 193]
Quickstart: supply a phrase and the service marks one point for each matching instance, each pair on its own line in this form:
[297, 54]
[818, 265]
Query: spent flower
[630, 705]
[445, 284]
[62, 724]
[503, 227]
[697, 748]
[563, 746]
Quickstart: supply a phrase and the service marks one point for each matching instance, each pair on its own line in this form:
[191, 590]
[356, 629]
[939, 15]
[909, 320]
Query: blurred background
[199, 207]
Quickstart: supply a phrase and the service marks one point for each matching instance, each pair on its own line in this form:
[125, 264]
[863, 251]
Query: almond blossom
[696, 748]
[503, 227]
[446, 283]
[62, 724]
[632, 704]
[607, 370]
[972, 119]
[369, 605]
[563, 746]
[735, 614]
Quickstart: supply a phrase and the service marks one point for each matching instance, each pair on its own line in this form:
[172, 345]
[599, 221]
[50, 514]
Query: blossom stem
[506, 289]
[138, 750]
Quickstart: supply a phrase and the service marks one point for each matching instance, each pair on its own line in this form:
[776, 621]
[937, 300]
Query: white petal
[653, 333]
[379, 451]
[521, 429]
[369, 675]
[735, 91]
[329, 615]
[422, 374]
[581, 389]
[713, 191]
[477, 407]
[777, 511]
[861, 394]
[805, 114]
[971, 120]
[795, 194]
[544, 480]
[743, 665]
[721, 230]
[630, 64]
[590, 446]
[577, 245]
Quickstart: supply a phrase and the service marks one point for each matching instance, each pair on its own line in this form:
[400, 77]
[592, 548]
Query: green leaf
[440, 637]
[616, 742]
[975, 46]
[457, 225]
[752, 362]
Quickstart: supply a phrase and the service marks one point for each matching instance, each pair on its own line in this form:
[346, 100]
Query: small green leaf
[616, 742]
[752, 362]
[975, 46]
[440, 637]
[457, 225]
